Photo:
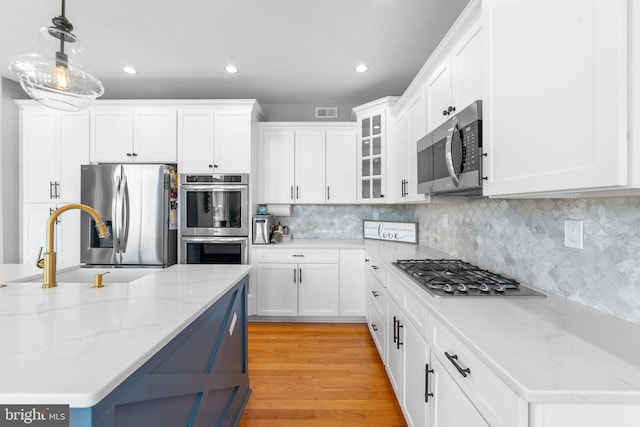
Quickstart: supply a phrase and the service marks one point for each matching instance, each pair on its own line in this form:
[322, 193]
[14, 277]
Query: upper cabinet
[307, 163]
[54, 145]
[458, 79]
[373, 139]
[123, 133]
[561, 90]
[216, 139]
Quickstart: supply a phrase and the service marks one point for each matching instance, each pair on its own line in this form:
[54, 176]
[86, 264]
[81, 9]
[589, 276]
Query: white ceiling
[287, 51]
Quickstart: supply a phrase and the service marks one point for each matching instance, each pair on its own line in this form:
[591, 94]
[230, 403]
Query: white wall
[10, 173]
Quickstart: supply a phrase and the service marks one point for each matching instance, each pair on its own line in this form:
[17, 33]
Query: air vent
[326, 112]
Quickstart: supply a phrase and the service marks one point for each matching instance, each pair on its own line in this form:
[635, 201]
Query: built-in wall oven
[214, 220]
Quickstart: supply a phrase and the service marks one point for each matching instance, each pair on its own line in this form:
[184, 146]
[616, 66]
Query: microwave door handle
[447, 152]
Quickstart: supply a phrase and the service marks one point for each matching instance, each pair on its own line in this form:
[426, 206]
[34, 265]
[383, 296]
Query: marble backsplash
[521, 238]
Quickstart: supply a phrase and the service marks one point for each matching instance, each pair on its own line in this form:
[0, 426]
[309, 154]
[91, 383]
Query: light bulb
[61, 78]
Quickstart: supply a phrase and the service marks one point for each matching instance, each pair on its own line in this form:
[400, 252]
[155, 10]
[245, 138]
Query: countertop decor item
[52, 74]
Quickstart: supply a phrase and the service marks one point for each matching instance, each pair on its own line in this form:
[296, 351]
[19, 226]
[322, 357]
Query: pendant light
[52, 74]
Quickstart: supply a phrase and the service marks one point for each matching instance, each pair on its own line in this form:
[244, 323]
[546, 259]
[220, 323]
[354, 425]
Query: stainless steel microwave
[450, 157]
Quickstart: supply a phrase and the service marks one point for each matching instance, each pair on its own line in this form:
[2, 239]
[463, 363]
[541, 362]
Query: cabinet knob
[451, 109]
[445, 113]
[211, 166]
[215, 166]
[135, 154]
[129, 154]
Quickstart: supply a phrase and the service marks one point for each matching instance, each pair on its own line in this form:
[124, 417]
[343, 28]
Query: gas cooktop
[455, 278]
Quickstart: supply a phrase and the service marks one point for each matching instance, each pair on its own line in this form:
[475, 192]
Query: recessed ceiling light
[129, 70]
[231, 69]
[361, 68]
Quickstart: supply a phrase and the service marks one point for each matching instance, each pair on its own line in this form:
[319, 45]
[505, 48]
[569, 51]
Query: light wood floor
[309, 374]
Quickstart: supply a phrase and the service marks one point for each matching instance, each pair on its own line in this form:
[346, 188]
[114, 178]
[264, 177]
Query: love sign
[393, 231]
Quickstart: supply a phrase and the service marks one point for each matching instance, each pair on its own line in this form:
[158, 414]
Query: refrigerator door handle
[124, 215]
[114, 214]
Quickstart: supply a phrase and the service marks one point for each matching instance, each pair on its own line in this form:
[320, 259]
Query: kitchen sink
[86, 275]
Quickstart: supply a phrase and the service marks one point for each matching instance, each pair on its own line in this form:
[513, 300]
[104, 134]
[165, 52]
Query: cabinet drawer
[378, 272]
[377, 328]
[302, 256]
[378, 296]
[497, 403]
[416, 311]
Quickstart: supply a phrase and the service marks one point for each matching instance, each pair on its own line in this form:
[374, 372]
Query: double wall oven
[214, 220]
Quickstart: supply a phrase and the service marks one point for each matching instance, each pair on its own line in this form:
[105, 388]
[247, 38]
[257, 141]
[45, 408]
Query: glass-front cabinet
[372, 140]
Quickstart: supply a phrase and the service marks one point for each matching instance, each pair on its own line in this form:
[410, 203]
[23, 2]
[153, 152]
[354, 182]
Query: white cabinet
[67, 233]
[307, 163]
[395, 356]
[377, 308]
[373, 139]
[309, 169]
[142, 134]
[409, 127]
[458, 80]
[54, 145]
[417, 369]
[352, 286]
[556, 111]
[340, 174]
[450, 405]
[297, 283]
[214, 141]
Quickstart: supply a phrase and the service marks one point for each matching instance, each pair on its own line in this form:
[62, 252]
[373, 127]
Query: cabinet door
[451, 407]
[352, 289]
[416, 129]
[68, 237]
[111, 135]
[232, 148]
[396, 336]
[276, 164]
[467, 68]
[277, 289]
[318, 289]
[73, 151]
[416, 352]
[195, 141]
[34, 231]
[341, 161]
[556, 109]
[439, 96]
[372, 159]
[310, 166]
[400, 159]
[155, 135]
[39, 155]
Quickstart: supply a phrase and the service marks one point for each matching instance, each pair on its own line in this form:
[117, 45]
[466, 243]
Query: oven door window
[214, 253]
[214, 209]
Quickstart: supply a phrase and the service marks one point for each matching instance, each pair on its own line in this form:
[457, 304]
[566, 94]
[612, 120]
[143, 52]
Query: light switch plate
[573, 234]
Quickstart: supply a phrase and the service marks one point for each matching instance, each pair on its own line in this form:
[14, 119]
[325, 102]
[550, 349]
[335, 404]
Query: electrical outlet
[573, 234]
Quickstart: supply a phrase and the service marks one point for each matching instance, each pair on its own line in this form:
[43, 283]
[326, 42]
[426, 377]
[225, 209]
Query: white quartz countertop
[548, 350]
[74, 344]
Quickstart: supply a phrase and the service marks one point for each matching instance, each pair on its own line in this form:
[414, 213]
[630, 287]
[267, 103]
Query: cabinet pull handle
[215, 165]
[211, 166]
[395, 330]
[375, 294]
[426, 384]
[366, 260]
[298, 255]
[300, 276]
[57, 187]
[445, 113]
[51, 189]
[297, 192]
[398, 343]
[374, 327]
[294, 276]
[292, 192]
[375, 267]
[328, 194]
[129, 154]
[135, 154]
[453, 359]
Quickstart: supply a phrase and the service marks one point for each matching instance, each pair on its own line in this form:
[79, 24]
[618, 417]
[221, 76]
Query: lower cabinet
[451, 407]
[199, 378]
[395, 356]
[35, 217]
[416, 381]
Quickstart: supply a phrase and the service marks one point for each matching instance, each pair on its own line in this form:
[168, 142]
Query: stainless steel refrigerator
[138, 203]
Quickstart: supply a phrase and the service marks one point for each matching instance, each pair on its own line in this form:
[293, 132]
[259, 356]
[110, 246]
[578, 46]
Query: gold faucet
[49, 260]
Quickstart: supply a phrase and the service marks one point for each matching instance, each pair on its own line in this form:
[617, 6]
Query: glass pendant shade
[52, 74]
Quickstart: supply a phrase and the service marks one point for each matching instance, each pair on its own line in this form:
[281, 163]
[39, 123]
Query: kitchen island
[169, 346]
